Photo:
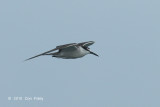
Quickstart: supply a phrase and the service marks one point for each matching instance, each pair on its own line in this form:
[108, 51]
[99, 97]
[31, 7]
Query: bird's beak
[93, 53]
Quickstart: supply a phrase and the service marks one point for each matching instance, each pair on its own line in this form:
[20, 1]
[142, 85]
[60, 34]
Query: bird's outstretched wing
[66, 45]
[42, 54]
[57, 48]
[86, 44]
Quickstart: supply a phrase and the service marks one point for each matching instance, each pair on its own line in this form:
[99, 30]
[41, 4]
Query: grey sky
[126, 35]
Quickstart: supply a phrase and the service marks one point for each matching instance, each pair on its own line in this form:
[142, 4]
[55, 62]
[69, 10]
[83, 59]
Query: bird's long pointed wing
[42, 54]
[66, 45]
[57, 48]
[86, 43]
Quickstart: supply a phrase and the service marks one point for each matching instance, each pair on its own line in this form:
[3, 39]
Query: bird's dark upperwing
[42, 54]
[66, 45]
[57, 48]
[86, 44]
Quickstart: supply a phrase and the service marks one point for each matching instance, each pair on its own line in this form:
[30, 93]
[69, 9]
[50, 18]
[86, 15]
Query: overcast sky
[127, 39]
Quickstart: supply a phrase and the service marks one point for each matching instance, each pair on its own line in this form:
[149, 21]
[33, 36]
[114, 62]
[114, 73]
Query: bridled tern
[69, 51]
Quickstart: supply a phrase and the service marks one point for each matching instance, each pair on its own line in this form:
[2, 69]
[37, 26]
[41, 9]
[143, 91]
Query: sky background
[127, 39]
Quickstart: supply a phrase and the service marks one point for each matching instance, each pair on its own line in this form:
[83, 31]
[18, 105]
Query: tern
[69, 51]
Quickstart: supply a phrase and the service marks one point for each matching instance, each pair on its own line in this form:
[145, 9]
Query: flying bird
[69, 51]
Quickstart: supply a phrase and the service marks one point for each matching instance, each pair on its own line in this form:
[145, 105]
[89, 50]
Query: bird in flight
[69, 51]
